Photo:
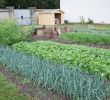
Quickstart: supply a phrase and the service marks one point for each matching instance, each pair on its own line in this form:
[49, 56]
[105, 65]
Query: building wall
[4, 15]
[94, 9]
[46, 19]
[29, 15]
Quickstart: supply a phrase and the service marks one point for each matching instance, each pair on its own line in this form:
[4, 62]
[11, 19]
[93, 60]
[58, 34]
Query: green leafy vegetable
[88, 59]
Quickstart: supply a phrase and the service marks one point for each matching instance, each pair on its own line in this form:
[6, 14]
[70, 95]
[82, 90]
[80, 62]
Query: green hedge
[71, 82]
[88, 59]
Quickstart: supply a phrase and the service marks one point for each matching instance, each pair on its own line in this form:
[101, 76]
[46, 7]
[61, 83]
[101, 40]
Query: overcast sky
[98, 10]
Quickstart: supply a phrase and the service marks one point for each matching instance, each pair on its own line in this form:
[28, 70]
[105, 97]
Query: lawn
[9, 91]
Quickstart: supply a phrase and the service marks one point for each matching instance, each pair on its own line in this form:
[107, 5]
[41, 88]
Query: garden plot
[73, 83]
[92, 60]
[91, 38]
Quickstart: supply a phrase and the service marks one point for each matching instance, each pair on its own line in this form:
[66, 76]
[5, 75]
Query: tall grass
[71, 82]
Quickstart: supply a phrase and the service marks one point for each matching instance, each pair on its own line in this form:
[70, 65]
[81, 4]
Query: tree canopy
[2, 3]
[40, 4]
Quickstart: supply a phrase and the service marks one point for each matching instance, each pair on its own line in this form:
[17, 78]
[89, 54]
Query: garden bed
[88, 59]
[71, 82]
[26, 87]
[89, 38]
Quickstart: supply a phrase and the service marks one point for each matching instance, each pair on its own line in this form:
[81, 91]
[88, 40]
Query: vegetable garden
[87, 37]
[71, 82]
[76, 71]
[89, 59]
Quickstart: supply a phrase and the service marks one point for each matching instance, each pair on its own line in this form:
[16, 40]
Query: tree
[40, 4]
[2, 3]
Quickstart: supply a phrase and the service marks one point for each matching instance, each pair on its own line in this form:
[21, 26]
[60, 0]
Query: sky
[97, 10]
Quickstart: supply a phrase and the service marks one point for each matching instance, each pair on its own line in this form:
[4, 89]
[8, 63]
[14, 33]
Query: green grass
[9, 91]
[93, 60]
[87, 38]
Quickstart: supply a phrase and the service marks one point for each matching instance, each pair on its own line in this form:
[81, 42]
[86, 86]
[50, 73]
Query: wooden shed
[50, 16]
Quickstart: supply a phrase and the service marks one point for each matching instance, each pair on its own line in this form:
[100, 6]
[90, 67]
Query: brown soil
[104, 46]
[39, 92]
[56, 39]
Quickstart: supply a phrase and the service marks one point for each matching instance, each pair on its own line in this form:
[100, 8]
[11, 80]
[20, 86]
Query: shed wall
[4, 15]
[46, 19]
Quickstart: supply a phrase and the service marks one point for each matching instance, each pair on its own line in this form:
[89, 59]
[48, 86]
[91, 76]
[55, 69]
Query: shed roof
[46, 11]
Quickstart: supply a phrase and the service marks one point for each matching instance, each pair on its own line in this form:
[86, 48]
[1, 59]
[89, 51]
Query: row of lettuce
[70, 81]
[93, 60]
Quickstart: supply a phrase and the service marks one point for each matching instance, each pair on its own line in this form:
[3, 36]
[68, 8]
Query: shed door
[23, 16]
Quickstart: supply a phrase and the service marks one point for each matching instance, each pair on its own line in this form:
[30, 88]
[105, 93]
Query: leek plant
[71, 82]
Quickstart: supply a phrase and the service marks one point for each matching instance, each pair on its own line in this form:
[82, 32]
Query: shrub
[66, 21]
[10, 33]
[90, 21]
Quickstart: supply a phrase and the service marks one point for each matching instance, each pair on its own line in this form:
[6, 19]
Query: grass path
[17, 87]
[9, 91]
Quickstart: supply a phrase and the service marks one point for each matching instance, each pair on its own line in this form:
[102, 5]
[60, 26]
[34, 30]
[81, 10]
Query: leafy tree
[2, 3]
[41, 4]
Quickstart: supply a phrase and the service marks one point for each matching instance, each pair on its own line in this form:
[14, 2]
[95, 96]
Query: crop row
[71, 82]
[96, 30]
[84, 37]
[93, 60]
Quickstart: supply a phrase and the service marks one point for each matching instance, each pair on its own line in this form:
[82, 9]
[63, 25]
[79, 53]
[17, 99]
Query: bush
[10, 33]
[90, 21]
[66, 21]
